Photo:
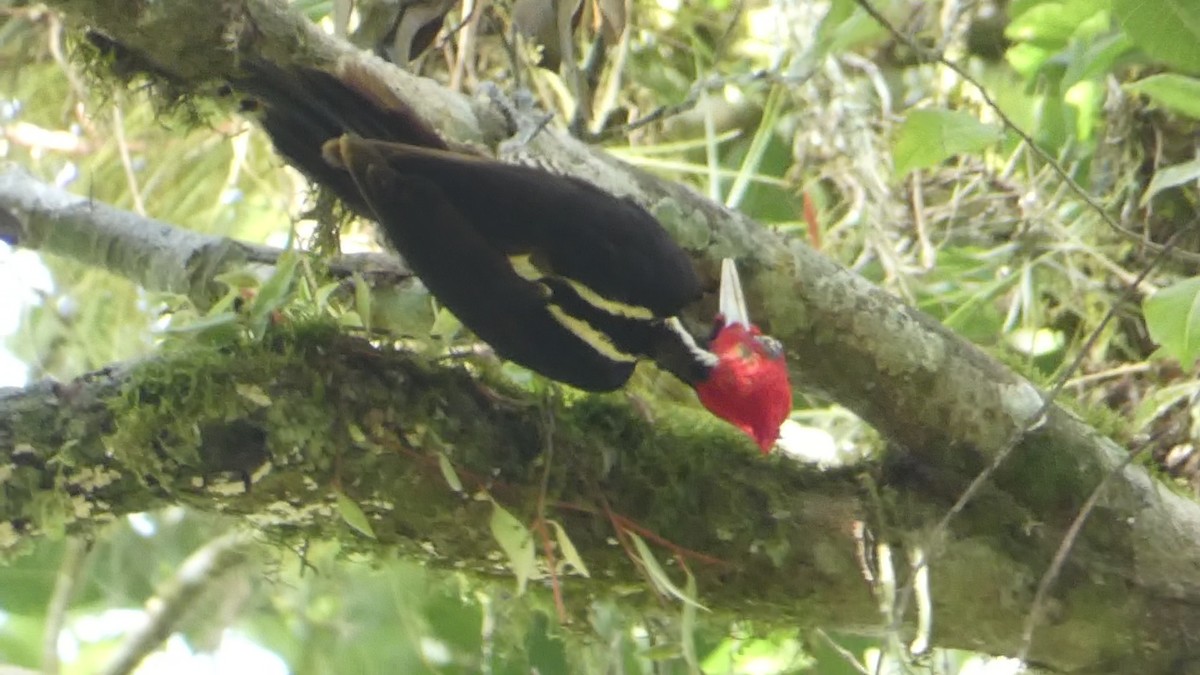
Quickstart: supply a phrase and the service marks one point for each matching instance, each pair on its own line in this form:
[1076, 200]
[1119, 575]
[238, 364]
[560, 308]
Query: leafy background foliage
[811, 117]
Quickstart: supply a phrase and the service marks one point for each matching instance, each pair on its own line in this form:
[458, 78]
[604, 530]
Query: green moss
[166, 403]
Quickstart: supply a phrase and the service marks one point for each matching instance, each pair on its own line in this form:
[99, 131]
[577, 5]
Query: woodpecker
[554, 273]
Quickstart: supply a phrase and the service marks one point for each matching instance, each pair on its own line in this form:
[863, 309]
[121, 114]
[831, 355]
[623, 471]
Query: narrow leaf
[658, 575]
[254, 394]
[1172, 176]
[569, 553]
[275, 290]
[687, 625]
[516, 542]
[353, 514]
[362, 301]
[204, 323]
[449, 473]
[1178, 93]
[1173, 318]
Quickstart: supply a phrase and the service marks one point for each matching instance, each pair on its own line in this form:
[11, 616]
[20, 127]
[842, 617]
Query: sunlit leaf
[567, 548]
[321, 297]
[1160, 400]
[687, 625]
[517, 543]
[1178, 93]
[204, 323]
[20, 641]
[1167, 30]
[275, 290]
[929, 137]
[658, 575]
[449, 473]
[353, 514]
[446, 325]
[362, 301]
[238, 278]
[1173, 318]
[1172, 176]
[1052, 24]
[254, 394]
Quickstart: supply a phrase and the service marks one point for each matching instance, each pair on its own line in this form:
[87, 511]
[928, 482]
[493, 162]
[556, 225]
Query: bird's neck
[676, 351]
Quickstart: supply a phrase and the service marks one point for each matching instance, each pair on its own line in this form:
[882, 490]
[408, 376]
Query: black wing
[570, 228]
[462, 270]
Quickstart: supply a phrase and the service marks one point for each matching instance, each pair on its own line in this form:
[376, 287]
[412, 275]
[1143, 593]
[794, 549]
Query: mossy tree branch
[310, 413]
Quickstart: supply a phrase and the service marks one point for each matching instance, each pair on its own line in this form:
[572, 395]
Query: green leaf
[1093, 59]
[20, 641]
[1160, 401]
[315, 10]
[1177, 93]
[357, 435]
[446, 325]
[238, 278]
[203, 324]
[254, 394]
[1173, 318]
[274, 292]
[362, 301]
[321, 297]
[353, 514]
[687, 626]
[1171, 176]
[516, 542]
[569, 553]
[449, 473]
[1167, 30]
[1053, 24]
[929, 137]
[658, 576]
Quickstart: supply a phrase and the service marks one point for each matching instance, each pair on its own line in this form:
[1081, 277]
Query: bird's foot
[521, 112]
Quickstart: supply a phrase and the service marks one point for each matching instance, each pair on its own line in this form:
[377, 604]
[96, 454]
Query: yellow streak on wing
[611, 306]
[598, 341]
[525, 268]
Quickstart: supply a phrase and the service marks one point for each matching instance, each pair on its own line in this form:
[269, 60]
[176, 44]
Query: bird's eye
[772, 347]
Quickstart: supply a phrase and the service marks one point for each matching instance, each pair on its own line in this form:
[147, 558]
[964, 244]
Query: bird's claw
[520, 111]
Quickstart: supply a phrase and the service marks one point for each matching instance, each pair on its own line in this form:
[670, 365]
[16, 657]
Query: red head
[748, 386]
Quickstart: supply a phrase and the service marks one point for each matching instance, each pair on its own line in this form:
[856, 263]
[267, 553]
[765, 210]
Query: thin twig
[622, 523]
[69, 574]
[465, 55]
[588, 77]
[692, 98]
[135, 190]
[1064, 549]
[540, 520]
[608, 101]
[174, 598]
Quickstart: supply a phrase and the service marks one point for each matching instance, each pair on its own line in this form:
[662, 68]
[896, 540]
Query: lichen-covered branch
[275, 431]
[155, 255]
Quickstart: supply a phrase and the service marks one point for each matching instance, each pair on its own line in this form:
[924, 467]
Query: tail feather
[302, 108]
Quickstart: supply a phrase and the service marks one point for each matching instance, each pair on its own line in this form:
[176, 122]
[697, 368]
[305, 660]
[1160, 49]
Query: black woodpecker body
[554, 273]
